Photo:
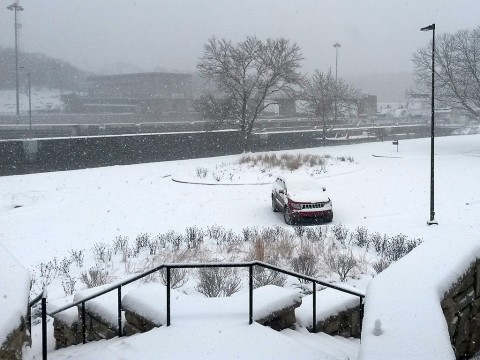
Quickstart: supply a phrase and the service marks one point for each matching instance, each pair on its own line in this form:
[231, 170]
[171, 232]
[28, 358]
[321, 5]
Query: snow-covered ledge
[14, 298]
[403, 314]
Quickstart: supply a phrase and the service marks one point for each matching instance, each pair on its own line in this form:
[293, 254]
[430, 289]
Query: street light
[336, 46]
[29, 100]
[15, 7]
[432, 220]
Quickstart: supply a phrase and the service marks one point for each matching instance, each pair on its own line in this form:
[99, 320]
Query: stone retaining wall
[461, 307]
[66, 335]
[345, 323]
[11, 349]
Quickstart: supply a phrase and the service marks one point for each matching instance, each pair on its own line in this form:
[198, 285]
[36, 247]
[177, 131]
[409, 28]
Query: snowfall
[47, 215]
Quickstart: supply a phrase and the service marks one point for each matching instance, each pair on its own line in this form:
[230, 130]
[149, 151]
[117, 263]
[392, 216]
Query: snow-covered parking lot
[46, 215]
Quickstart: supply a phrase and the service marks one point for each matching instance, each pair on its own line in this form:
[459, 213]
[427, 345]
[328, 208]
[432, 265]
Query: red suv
[301, 198]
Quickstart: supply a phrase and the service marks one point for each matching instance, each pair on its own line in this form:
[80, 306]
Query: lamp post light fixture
[432, 220]
[336, 46]
[15, 7]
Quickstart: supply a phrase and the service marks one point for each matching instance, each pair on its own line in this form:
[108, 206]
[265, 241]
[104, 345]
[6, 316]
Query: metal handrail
[168, 266]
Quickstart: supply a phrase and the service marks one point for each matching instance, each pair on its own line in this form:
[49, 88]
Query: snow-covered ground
[42, 100]
[47, 215]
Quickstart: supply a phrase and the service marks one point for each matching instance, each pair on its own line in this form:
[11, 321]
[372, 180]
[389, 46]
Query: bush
[120, 244]
[77, 257]
[178, 277]
[340, 262]
[95, 277]
[68, 284]
[340, 232]
[102, 253]
[218, 282]
[361, 238]
[305, 263]
[380, 265]
[263, 276]
[317, 233]
[194, 236]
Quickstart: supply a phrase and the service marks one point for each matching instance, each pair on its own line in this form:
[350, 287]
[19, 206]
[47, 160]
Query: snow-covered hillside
[42, 100]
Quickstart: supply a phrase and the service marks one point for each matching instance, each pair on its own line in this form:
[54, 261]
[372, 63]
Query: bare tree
[248, 76]
[323, 94]
[457, 70]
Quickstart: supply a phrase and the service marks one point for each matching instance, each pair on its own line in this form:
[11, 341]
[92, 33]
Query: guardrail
[168, 267]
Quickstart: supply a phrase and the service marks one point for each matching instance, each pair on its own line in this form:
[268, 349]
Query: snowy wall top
[14, 293]
[406, 299]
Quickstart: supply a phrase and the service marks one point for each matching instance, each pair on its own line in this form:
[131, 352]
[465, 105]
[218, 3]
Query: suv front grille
[313, 206]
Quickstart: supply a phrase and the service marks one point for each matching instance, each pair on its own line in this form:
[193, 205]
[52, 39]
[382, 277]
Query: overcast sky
[375, 35]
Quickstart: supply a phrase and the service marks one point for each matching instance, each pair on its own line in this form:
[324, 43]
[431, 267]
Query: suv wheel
[329, 218]
[287, 217]
[274, 204]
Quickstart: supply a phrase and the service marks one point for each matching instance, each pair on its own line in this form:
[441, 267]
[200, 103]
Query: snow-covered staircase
[336, 347]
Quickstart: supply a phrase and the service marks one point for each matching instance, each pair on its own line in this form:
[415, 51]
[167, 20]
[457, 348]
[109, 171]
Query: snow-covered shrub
[259, 250]
[380, 265]
[215, 232]
[305, 262]
[194, 236]
[142, 241]
[293, 163]
[68, 284]
[284, 247]
[120, 244]
[379, 242]
[361, 237]
[340, 261]
[299, 231]
[249, 234]
[340, 232]
[263, 276]
[317, 233]
[202, 172]
[102, 253]
[218, 282]
[95, 277]
[399, 246]
[178, 277]
[48, 272]
[77, 257]
[64, 267]
[153, 247]
[175, 240]
[346, 158]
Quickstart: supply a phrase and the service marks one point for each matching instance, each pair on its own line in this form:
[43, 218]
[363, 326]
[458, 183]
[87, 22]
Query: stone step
[351, 342]
[349, 348]
[323, 345]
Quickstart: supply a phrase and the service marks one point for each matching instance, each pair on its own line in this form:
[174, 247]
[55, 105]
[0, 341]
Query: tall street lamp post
[15, 7]
[29, 100]
[432, 220]
[336, 46]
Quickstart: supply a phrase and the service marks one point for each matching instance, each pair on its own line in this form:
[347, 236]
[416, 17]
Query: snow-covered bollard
[377, 328]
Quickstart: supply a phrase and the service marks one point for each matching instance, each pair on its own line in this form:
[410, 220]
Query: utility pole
[15, 7]
[336, 46]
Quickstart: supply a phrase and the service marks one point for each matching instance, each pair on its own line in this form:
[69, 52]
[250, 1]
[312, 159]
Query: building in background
[367, 106]
[143, 93]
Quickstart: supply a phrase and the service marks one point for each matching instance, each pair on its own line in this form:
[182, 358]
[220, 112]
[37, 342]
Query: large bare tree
[248, 76]
[457, 70]
[328, 99]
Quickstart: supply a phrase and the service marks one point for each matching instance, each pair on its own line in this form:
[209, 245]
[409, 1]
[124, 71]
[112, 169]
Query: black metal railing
[250, 265]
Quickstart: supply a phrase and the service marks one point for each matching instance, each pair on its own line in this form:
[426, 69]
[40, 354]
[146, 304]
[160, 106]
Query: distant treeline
[44, 71]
